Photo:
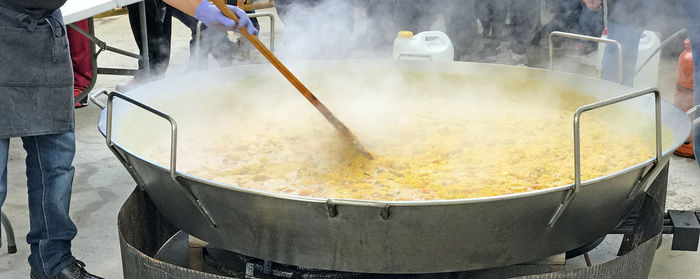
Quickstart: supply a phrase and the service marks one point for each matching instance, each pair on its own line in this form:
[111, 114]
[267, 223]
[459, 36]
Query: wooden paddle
[221, 4]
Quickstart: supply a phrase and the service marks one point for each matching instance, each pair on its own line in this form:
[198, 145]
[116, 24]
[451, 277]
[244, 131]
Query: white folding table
[76, 10]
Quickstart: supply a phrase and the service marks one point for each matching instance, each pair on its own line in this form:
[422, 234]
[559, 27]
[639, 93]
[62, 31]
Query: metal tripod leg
[11, 245]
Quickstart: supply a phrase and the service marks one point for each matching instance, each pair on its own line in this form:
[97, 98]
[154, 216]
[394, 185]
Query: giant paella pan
[476, 165]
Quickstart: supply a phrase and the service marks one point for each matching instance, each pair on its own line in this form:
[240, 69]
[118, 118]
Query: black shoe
[74, 270]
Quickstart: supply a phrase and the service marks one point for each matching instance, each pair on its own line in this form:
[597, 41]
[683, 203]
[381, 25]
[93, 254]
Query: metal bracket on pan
[585, 38]
[93, 98]
[332, 204]
[122, 159]
[414, 55]
[693, 119]
[645, 181]
[173, 146]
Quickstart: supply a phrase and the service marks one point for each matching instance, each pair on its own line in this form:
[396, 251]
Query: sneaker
[74, 270]
[77, 90]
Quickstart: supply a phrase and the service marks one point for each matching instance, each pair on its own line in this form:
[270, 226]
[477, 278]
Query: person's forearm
[187, 6]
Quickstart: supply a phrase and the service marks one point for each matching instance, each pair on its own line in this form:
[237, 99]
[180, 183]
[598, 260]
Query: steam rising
[459, 130]
[435, 135]
[320, 31]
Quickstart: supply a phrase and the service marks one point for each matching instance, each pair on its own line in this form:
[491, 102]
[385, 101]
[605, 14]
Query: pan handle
[585, 38]
[173, 146]
[695, 120]
[93, 98]
[173, 126]
[272, 25]
[645, 181]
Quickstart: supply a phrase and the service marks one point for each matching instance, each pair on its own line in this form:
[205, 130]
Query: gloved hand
[210, 15]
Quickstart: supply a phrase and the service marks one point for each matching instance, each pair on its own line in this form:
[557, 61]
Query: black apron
[36, 75]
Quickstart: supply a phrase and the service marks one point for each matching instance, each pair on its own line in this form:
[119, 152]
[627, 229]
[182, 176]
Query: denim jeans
[694, 32]
[693, 7]
[628, 37]
[49, 182]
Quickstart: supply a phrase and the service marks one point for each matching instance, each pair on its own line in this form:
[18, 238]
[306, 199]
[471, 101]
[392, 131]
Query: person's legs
[191, 23]
[498, 14]
[629, 38]
[381, 29]
[4, 148]
[692, 8]
[483, 14]
[525, 22]
[590, 23]
[49, 182]
[694, 35]
[561, 18]
[158, 27]
[460, 21]
[414, 16]
[161, 58]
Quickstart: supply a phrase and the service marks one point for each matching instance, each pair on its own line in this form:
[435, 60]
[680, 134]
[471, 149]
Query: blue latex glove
[210, 15]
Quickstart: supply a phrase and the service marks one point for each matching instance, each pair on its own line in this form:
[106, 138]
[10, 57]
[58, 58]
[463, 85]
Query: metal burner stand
[151, 247]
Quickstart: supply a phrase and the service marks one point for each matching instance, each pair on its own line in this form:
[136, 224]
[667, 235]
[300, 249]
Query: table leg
[144, 40]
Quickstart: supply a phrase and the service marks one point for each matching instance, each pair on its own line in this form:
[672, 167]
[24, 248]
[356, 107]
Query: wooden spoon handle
[221, 4]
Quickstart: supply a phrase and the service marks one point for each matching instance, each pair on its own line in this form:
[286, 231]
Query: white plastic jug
[430, 45]
[649, 75]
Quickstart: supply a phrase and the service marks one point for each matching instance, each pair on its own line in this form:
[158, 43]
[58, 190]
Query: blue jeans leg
[692, 8]
[629, 38]
[49, 182]
[694, 34]
[4, 148]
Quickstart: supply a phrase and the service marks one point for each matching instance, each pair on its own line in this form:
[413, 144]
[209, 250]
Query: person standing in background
[626, 22]
[159, 16]
[159, 30]
[36, 84]
[211, 41]
[573, 16]
[461, 27]
[692, 8]
[415, 16]
[511, 26]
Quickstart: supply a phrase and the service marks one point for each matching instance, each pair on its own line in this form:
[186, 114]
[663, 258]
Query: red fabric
[80, 54]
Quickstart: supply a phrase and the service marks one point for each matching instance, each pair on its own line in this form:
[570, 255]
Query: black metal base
[154, 248]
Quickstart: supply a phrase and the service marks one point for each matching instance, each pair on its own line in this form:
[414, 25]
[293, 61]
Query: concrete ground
[102, 184]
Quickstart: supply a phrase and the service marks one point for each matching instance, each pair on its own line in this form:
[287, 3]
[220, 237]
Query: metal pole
[144, 40]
